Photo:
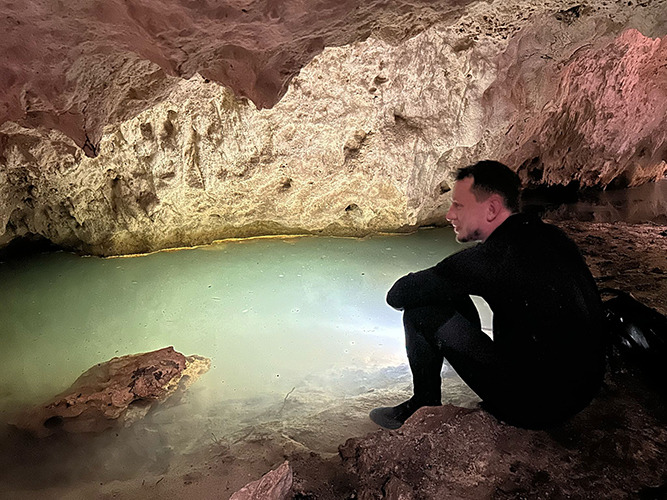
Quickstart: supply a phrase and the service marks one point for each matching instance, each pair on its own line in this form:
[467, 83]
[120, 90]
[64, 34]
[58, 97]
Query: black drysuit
[546, 360]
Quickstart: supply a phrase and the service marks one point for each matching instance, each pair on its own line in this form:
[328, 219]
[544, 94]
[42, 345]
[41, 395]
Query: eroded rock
[451, 452]
[80, 65]
[363, 139]
[274, 485]
[606, 123]
[117, 392]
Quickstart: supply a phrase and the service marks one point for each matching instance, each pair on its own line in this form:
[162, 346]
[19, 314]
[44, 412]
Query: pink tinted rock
[274, 485]
[606, 123]
[79, 65]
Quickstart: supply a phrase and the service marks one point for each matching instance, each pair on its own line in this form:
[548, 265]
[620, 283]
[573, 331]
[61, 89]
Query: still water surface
[272, 314]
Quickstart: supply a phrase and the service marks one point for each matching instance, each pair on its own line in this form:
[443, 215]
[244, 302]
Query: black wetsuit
[546, 360]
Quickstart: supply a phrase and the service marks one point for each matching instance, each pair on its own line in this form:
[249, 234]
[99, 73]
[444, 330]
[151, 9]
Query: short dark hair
[491, 177]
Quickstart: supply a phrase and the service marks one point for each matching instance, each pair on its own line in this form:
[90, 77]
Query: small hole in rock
[54, 422]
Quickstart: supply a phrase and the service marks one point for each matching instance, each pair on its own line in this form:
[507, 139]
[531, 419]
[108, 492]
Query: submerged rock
[115, 393]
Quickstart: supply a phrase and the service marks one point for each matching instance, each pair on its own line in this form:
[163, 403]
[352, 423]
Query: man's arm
[417, 289]
[462, 273]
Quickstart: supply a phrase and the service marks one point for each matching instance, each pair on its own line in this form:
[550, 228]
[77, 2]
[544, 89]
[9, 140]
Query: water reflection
[645, 203]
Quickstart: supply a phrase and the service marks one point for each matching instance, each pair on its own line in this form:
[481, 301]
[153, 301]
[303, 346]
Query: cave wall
[77, 66]
[363, 139]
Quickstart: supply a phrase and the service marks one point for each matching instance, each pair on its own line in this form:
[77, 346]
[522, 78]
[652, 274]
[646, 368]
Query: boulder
[616, 448]
[115, 393]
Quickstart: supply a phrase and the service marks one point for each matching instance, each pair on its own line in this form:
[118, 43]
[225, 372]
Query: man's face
[467, 215]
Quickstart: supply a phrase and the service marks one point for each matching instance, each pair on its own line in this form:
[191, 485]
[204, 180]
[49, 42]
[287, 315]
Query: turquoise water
[301, 341]
[267, 312]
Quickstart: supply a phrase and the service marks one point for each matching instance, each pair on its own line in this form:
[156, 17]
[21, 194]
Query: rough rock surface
[115, 393]
[609, 110]
[627, 257]
[76, 66]
[616, 448]
[274, 485]
[363, 140]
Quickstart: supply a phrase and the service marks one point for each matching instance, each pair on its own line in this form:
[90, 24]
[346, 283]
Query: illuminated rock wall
[364, 139]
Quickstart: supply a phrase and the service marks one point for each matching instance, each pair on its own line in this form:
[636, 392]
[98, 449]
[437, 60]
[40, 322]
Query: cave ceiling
[77, 66]
[207, 119]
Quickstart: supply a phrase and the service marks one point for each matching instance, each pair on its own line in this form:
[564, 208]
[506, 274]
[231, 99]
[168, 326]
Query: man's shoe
[393, 417]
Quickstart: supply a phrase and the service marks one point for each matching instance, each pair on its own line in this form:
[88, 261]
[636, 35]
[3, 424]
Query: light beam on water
[266, 311]
[272, 314]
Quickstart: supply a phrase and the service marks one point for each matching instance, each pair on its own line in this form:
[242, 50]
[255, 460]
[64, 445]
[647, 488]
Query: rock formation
[77, 66]
[609, 110]
[274, 485]
[616, 448]
[115, 393]
[384, 101]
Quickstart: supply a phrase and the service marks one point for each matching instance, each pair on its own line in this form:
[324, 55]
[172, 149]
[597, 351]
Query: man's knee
[426, 320]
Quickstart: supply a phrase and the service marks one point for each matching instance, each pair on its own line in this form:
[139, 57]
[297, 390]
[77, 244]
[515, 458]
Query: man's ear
[494, 207]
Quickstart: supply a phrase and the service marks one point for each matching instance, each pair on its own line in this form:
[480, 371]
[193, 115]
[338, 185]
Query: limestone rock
[365, 137]
[77, 66]
[274, 485]
[115, 393]
[606, 123]
[450, 452]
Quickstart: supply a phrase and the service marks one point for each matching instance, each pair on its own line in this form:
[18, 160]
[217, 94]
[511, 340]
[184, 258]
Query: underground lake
[301, 343]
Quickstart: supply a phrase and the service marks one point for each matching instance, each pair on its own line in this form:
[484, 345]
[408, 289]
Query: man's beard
[467, 238]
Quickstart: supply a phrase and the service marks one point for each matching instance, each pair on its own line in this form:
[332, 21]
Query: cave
[259, 139]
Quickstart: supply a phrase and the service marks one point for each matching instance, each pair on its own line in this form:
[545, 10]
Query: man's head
[484, 195]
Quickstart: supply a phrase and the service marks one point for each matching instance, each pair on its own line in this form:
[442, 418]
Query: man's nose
[450, 214]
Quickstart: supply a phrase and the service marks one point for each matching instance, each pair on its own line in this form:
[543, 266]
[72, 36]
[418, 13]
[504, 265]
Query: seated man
[546, 360]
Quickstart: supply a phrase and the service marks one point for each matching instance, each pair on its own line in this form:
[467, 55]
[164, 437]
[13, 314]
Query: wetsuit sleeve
[466, 272]
[417, 289]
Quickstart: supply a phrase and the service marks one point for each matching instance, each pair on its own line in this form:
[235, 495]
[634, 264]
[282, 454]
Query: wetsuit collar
[513, 221]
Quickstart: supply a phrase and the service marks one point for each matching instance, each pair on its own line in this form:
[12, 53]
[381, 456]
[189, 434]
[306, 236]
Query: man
[546, 360]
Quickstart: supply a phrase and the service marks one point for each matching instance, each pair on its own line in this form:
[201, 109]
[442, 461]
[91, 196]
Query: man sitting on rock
[546, 360]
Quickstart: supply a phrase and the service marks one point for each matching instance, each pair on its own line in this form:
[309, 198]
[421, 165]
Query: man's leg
[424, 356]
[433, 333]
[425, 359]
[473, 355]
[520, 391]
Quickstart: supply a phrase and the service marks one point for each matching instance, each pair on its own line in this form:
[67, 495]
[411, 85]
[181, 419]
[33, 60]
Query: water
[298, 320]
[266, 311]
[642, 204]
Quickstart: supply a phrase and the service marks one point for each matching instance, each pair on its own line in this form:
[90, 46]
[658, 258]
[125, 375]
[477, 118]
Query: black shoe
[393, 417]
